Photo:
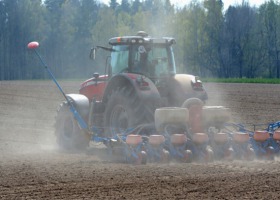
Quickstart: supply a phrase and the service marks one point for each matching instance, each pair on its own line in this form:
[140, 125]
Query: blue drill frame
[176, 151]
[155, 153]
[267, 147]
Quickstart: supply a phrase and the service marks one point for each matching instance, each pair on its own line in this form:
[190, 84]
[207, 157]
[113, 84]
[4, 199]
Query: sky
[181, 3]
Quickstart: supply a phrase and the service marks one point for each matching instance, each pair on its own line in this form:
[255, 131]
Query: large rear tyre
[125, 111]
[68, 134]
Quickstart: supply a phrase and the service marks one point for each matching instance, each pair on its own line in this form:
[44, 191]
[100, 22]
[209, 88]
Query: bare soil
[32, 167]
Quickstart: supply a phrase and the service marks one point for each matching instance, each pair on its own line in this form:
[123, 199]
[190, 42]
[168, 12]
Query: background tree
[270, 14]
[136, 7]
[191, 36]
[238, 24]
[3, 18]
[125, 6]
[213, 46]
[242, 41]
[113, 4]
[55, 38]
[105, 28]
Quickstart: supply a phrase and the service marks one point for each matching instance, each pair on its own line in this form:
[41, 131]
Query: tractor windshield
[119, 58]
[152, 60]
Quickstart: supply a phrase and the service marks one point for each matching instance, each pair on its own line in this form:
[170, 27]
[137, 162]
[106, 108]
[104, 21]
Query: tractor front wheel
[68, 134]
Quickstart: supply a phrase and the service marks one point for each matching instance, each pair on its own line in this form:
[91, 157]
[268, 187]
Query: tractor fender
[144, 88]
[81, 103]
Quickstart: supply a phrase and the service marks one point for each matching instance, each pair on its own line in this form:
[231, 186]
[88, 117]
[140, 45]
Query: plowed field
[31, 166]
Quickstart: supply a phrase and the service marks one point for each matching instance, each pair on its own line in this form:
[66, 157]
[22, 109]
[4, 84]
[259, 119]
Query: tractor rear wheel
[125, 111]
[68, 134]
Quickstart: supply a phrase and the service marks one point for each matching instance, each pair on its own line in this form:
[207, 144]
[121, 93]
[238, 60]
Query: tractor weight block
[170, 115]
[178, 139]
[276, 135]
[156, 140]
[200, 138]
[133, 140]
[261, 136]
[240, 137]
[221, 138]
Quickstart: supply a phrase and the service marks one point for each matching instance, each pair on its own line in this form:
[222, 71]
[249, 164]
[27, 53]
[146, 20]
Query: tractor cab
[141, 54]
[145, 64]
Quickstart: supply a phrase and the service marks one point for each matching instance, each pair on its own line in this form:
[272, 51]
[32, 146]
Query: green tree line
[211, 41]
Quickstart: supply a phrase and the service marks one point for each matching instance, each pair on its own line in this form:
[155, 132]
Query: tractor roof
[141, 38]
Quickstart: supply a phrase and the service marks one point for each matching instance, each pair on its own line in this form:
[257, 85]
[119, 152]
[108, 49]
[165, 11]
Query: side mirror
[92, 53]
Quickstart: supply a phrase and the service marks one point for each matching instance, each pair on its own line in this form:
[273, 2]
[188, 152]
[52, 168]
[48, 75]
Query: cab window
[119, 58]
[151, 60]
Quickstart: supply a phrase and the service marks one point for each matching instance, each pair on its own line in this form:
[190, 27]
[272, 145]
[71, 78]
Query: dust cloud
[27, 117]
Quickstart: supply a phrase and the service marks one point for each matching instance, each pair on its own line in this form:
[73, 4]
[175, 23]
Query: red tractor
[140, 77]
